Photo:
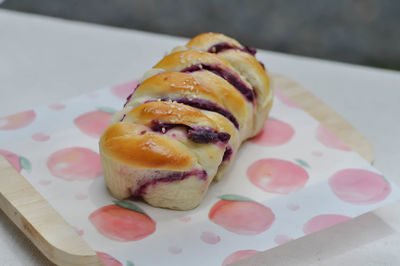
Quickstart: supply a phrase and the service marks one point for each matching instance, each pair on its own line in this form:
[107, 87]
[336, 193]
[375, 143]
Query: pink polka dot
[358, 186]
[330, 140]
[277, 176]
[293, 206]
[321, 222]
[317, 153]
[79, 231]
[81, 196]
[210, 237]
[239, 255]
[282, 239]
[93, 123]
[13, 159]
[40, 137]
[174, 250]
[185, 219]
[57, 106]
[17, 121]
[75, 163]
[284, 99]
[44, 182]
[92, 95]
[124, 90]
[108, 260]
[274, 133]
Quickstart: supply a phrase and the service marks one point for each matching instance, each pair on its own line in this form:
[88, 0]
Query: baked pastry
[182, 126]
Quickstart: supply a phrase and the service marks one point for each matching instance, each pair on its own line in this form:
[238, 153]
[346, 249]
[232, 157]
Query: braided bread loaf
[185, 121]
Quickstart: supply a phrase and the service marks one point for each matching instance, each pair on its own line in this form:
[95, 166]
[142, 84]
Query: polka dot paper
[294, 178]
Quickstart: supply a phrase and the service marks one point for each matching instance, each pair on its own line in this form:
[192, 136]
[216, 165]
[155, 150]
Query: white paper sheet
[295, 178]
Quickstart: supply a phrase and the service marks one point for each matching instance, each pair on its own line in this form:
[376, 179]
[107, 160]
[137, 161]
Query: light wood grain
[40, 222]
[59, 242]
[325, 115]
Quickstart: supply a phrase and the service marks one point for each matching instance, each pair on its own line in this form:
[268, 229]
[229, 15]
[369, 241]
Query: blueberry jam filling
[227, 154]
[223, 46]
[233, 79]
[204, 136]
[159, 126]
[206, 105]
[198, 135]
[175, 176]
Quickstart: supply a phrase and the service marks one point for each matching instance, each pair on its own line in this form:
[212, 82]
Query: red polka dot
[277, 176]
[293, 207]
[57, 106]
[210, 237]
[17, 121]
[41, 137]
[174, 250]
[282, 239]
[239, 255]
[122, 91]
[330, 140]
[274, 133]
[321, 222]
[285, 100]
[81, 196]
[45, 182]
[317, 153]
[358, 186]
[185, 219]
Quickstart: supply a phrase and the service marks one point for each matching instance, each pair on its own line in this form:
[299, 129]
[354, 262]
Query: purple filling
[223, 46]
[227, 154]
[250, 50]
[172, 177]
[206, 105]
[233, 79]
[204, 136]
[159, 126]
[130, 95]
[197, 135]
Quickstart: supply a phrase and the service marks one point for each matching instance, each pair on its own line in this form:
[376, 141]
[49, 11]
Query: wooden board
[62, 245]
[326, 116]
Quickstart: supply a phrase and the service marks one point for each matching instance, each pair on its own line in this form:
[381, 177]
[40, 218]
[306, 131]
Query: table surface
[44, 60]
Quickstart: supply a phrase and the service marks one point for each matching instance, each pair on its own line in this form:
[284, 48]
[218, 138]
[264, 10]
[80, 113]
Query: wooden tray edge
[40, 222]
[325, 115]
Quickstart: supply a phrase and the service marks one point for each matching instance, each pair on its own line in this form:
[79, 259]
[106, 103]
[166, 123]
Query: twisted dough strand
[185, 122]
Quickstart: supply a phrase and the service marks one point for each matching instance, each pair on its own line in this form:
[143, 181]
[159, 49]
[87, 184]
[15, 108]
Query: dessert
[182, 126]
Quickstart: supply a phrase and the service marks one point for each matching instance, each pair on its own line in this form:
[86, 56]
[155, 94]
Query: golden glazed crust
[183, 59]
[169, 112]
[124, 143]
[204, 41]
[182, 126]
[196, 86]
[248, 67]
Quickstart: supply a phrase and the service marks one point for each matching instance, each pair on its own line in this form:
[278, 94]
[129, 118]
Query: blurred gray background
[356, 31]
